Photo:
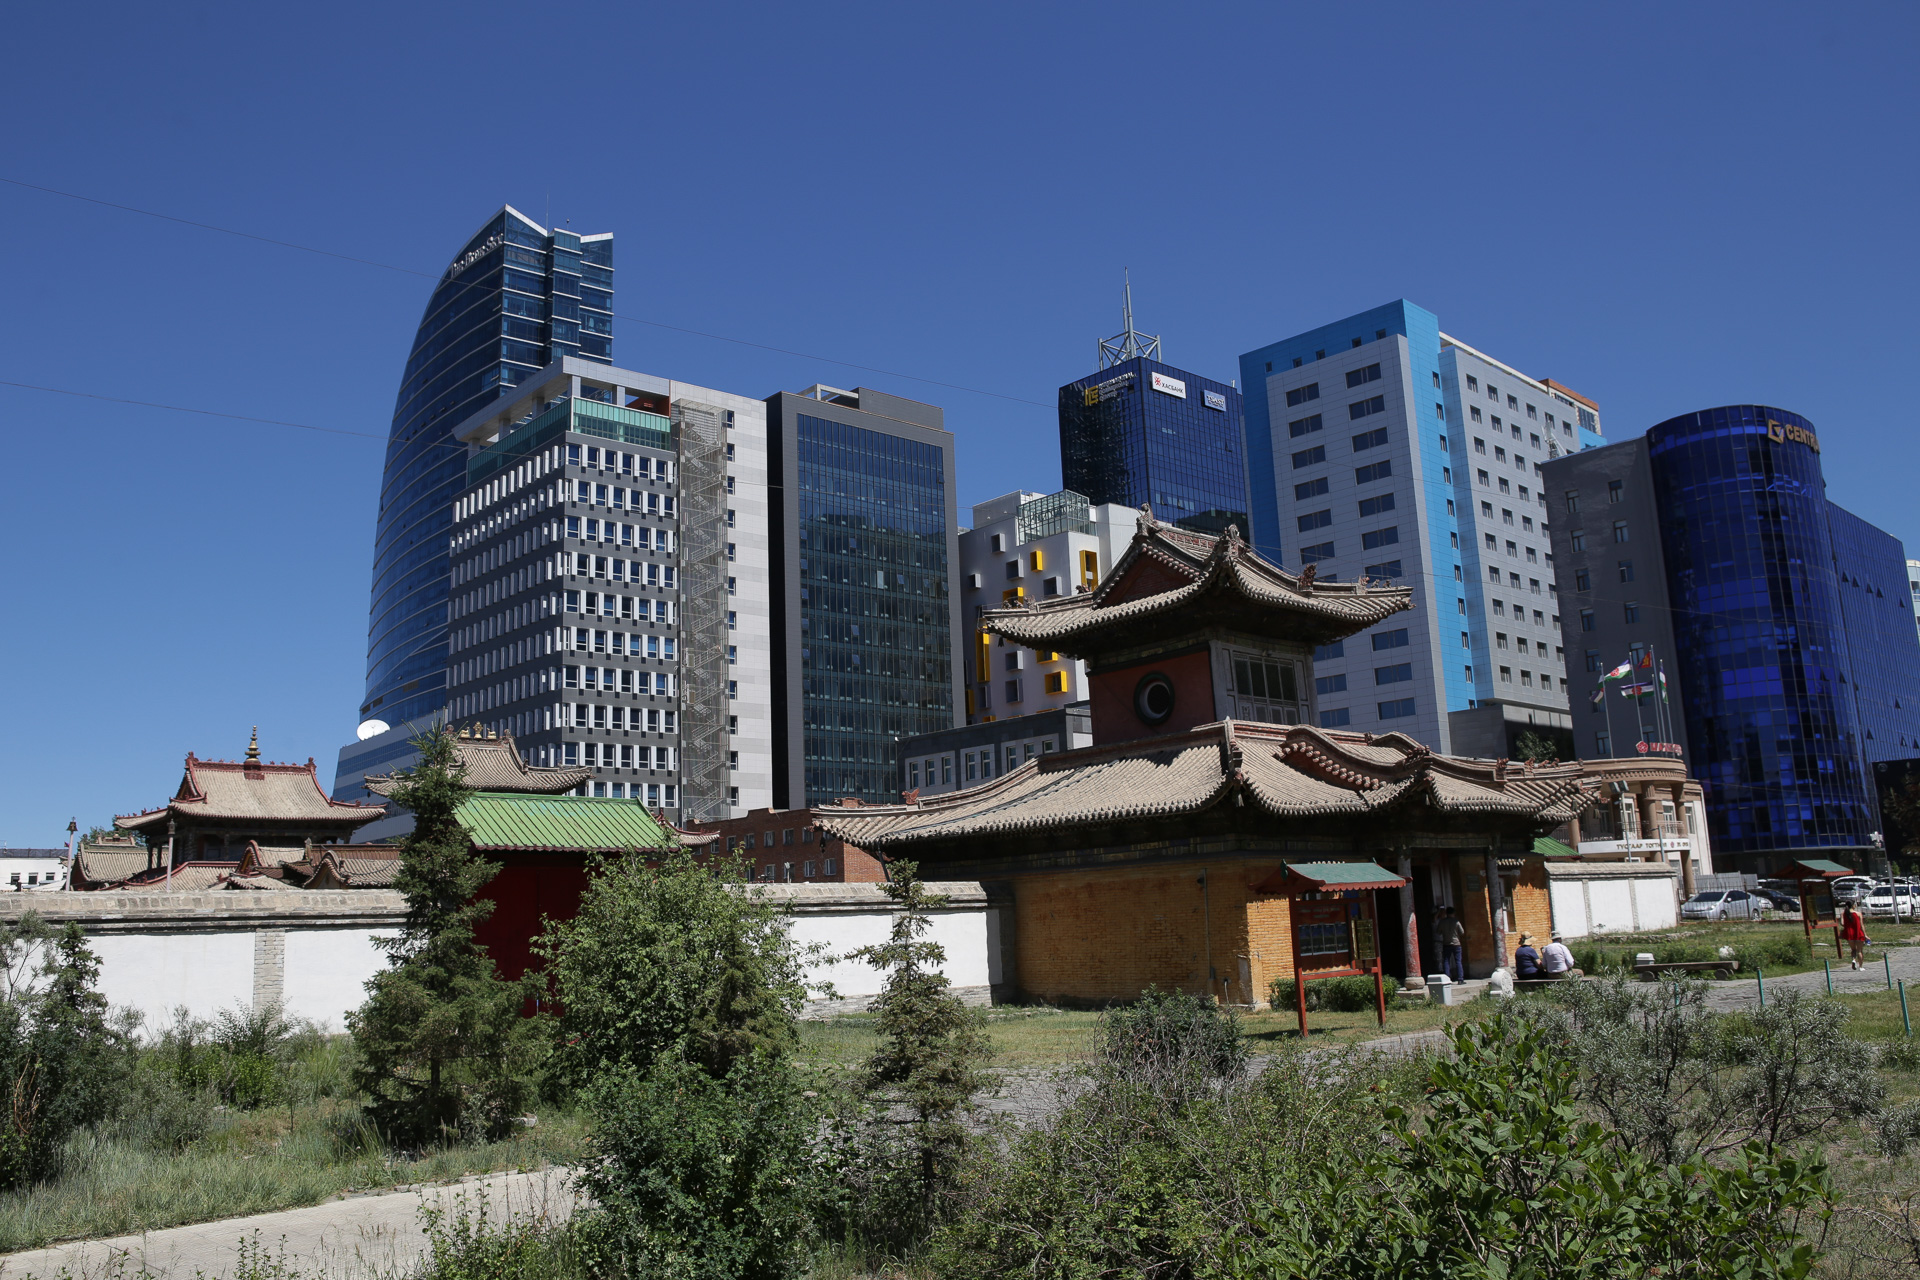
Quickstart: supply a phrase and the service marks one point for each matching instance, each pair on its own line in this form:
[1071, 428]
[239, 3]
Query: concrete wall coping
[223, 909]
[1612, 871]
[835, 899]
[228, 909]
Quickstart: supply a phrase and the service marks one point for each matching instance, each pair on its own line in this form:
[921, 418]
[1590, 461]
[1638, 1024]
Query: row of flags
[1641, 688]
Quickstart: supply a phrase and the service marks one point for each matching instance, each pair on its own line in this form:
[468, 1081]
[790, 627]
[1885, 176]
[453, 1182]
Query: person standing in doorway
[1453, 946]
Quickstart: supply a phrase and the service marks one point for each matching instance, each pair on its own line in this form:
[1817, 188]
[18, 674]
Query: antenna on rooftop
[1130, 342]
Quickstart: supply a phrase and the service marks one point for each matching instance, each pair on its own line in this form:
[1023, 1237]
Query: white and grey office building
[609, 601]
[1379, 447]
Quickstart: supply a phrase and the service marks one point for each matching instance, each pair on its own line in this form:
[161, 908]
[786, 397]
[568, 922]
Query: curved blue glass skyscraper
[515, 298]
[1760, 632]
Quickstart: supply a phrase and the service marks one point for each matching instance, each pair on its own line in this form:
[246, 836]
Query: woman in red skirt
[1854, 930]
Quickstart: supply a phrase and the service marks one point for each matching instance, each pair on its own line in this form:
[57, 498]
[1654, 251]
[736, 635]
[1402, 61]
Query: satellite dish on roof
[371, 729]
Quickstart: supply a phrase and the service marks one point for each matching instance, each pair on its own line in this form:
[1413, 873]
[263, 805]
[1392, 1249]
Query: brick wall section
[1532, 908]
[1269, 943]
[1102, 934]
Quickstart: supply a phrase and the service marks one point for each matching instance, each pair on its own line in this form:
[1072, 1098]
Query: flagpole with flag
[1600, 692]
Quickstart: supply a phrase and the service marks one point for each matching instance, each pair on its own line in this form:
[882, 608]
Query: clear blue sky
[1666, 207]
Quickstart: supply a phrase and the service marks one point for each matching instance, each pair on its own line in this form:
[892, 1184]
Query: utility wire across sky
[436, 276]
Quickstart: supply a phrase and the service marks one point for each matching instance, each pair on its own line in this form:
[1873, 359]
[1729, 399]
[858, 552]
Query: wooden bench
[1529, 984]
[1652, 972]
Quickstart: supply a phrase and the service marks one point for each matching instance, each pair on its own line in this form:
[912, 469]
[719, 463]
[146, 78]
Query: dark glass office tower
[1142, 432]
[1769, 672]
[515, 298]
[865, 596]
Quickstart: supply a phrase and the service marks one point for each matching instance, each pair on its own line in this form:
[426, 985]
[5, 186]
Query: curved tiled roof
[495, 764]
[98, 866]
[252, 789]
[1283, 771]
[1209, 575]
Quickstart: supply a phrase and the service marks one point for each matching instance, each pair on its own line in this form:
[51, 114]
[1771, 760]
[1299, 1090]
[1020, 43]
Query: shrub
[1331, 995]
[694, 1176]
[156, 1114]
[63, 1062]
[1172, 1036]
[671, 961]
[1784, 951]
[1900, 1055]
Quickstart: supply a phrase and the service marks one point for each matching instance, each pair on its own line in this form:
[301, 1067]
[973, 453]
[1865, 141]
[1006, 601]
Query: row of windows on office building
[977, 765]
[1514, 404]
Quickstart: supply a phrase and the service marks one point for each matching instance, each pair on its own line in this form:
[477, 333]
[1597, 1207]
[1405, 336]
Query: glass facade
[875, 656]
[1123, 441]
[1883, 654]
[513, 300]
[1760, 631]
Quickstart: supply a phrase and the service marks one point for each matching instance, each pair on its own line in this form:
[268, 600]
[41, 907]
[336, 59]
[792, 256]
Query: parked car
[1781, 901]
[1720, 904]
[1851, 888]
[1889, 902]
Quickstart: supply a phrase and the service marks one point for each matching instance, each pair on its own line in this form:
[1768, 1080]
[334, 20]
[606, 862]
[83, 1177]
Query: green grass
[249, 1162]
[1766, 940]
[1043, 1037]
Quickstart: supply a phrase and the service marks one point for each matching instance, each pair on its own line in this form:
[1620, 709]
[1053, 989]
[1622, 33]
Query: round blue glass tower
[1758, 624]
[516, 298]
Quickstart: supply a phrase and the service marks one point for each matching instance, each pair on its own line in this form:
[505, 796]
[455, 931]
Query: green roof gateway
[503, 820]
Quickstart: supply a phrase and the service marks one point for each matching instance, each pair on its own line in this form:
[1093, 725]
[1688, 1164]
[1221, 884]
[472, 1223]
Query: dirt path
[357, 1238]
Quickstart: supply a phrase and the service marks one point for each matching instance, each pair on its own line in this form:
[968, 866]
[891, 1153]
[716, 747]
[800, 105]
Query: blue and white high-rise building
[1379, 447]
[516, 298]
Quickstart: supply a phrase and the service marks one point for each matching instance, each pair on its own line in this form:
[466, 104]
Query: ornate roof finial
[1146, 516]
[1307, 576]
[253, 747]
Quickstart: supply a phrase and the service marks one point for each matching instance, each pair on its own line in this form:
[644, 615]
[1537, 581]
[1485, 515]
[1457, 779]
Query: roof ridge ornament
[253, 747]
[1307, 575]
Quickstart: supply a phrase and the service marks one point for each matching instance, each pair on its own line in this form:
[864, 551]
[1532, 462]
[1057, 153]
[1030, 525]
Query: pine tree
[443, 1049]
[932, 1048]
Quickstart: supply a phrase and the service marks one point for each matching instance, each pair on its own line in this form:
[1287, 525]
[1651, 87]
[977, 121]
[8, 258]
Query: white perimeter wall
[324, 975]
[158, 973]
[1613, 904]
[971, 940]
[327, 972]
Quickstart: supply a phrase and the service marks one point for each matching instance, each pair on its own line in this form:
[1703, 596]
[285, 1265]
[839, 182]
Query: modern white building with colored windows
[1031, 546]
[1378, 447]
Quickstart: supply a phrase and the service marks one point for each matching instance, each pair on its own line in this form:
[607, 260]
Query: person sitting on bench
[1526, 960]
[1556, 961]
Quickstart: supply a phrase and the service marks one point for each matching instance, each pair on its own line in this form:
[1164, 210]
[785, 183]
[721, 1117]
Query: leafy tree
[63, 1061]
[1536, 747]
[443, 1050]
[926, 1071]
[678, 988]
[1902, 808]
[671, 961]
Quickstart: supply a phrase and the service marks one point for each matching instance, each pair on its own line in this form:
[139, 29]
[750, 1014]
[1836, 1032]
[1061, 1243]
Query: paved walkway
[1744, 992]
[357, 1238]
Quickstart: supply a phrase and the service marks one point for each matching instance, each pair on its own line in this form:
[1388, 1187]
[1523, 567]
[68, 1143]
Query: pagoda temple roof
[1279, 771]
[1172, 582]
[493, 763]
[252, 790]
